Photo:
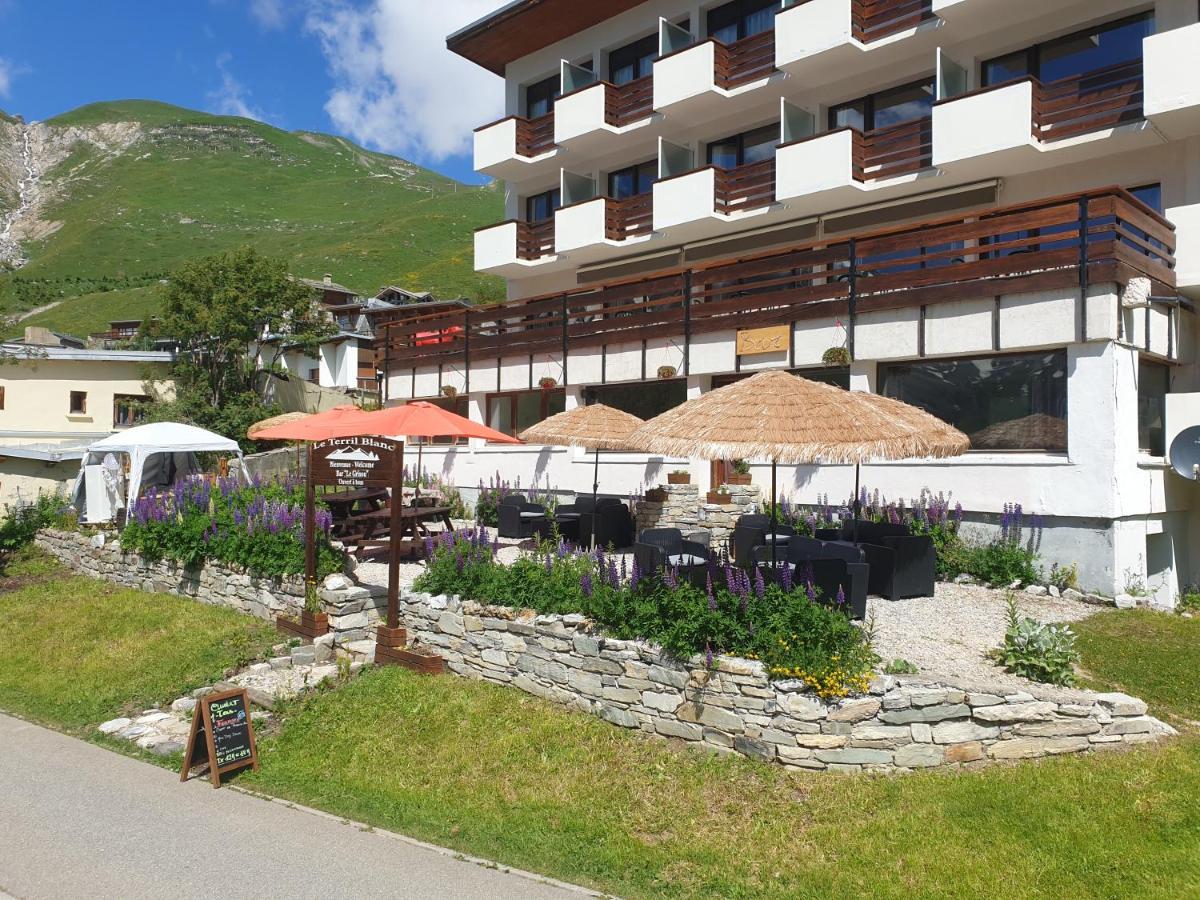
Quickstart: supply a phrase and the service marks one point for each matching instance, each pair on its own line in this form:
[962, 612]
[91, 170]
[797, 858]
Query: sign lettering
[758, 341]
[355, 462]
[222, 736]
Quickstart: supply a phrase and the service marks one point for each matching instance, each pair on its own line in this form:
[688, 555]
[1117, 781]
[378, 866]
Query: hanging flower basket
[665, 372]
[547, 384]
[836, 357]
[449, 390]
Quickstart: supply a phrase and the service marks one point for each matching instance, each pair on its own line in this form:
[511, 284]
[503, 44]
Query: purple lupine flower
[670, 577]
[841, 596]
[712, 598]
[624, 569]
[760, 585]
[549, 564]
[811, 590]
[614, 579]
[585, 583]
[785, 577]
[708, 655]
[635, 575]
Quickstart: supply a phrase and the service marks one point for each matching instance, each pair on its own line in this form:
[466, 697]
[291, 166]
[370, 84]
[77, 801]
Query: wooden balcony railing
[746, 187]
[1059, 243]
[535, 136]
[631, 217]
[746, 60]
[875, 19]
[1092, 101]
[896, 150]
[535, 239]
[629, 102]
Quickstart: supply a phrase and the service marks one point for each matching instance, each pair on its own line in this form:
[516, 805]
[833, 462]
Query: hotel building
[987, 209]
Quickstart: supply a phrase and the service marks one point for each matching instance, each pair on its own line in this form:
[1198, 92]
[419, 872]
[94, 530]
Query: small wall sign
[758, 341]
[222, 736]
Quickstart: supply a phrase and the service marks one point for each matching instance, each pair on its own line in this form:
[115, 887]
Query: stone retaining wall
[903, 724]
[352, 608]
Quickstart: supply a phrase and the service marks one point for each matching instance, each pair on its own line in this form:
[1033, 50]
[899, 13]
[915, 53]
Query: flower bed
[735, 612]
[259, 528]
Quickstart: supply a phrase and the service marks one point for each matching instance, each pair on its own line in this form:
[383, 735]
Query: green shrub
[1064, 577]
[487, 506]
[1039, 652]
[900, 667]
[24, 521]
[754, 616]
[258, 528]
[1189, 600]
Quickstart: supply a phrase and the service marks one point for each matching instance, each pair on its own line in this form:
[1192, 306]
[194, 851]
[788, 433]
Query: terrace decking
[1062, 242]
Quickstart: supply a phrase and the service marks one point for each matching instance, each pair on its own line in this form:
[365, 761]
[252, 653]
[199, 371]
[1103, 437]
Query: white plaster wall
[23, 480]
[985, 123]
[1170, 70]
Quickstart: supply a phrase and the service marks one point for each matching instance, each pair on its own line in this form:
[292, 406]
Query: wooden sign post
[355, 463]
[222, 736]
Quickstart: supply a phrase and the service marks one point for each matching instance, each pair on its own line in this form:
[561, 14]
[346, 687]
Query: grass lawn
[89, 650]
[493, 772]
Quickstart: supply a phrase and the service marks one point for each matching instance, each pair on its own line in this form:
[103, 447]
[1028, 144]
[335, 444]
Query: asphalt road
[80, 821]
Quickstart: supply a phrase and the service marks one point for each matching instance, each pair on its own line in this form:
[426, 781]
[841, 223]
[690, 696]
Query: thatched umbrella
[786, 419]
[274, 421]
[596, 427]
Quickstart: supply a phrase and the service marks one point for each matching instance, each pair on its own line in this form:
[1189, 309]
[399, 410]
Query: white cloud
[268, 13]
[232, 98]
[9, 71]
[396, 86]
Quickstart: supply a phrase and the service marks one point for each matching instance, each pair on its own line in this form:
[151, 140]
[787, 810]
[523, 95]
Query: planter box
[743, 480]
[309, 625]
[656, 495]
[413, 659]
[719, 499]
[677, 478]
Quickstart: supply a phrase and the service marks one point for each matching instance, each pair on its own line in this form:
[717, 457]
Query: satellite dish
[1185, 453]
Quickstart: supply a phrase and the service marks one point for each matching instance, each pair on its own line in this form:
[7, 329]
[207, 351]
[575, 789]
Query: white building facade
[991, 209]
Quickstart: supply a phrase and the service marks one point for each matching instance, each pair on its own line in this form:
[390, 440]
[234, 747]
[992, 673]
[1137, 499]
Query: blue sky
[376, 71]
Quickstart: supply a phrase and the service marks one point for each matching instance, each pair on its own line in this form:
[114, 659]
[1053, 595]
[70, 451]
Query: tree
[218, 308]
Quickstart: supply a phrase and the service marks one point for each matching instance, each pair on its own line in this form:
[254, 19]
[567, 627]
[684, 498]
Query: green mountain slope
[129, 190]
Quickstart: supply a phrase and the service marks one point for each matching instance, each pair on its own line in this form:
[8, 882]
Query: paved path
[81, 821]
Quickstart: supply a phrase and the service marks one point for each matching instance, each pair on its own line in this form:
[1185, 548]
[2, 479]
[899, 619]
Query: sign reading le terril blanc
[355, 462]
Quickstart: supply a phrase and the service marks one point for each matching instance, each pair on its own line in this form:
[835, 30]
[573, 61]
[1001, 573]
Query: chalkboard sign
[222, 736]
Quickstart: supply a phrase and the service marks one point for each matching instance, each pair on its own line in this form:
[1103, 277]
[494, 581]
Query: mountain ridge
[115, 195]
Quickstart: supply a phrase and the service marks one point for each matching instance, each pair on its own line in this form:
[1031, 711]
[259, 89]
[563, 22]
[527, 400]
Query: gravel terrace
[946, 635]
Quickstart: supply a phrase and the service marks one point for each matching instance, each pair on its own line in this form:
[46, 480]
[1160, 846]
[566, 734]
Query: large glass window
[744, 149]
[541, 207]
[644, 399]
[1154, 383]
[741, 19]
[633, 61]
[128, 410]
[633, 181]
[540, 97]
[884, 108]
[513, 413]
[1075, 54]
[1016, 402]
[459, 406]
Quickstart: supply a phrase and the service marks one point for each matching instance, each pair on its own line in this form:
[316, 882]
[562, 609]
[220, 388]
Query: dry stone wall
[903, 724]
[352, 608]
[686, 510]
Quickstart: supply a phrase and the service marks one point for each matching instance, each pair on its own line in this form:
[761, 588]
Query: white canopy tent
[159, 454]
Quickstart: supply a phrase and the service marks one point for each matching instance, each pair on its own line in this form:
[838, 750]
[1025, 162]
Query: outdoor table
[376, 533]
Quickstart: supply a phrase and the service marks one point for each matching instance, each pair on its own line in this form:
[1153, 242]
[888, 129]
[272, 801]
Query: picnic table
[371, 531]
[342, 503]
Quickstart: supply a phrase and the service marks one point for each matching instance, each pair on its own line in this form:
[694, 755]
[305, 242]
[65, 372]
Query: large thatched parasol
[273, 422]
[596, 427]
[782, 418]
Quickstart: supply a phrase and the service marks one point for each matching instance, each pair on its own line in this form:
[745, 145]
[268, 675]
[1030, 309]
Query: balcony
[838, 32]
[599, 110]
[590, 230]
[1172, 88]
[514, 248]
[506, 149]
[840, 166]
[1025, 124]
[1187, 226]
[700, 203]
[705, 74]
[1050, 245]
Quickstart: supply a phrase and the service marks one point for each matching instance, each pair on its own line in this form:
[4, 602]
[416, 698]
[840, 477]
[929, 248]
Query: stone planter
[735, 478]
[717, 498]
[309, 626]
[413, 658]
[656, 495]
[679, 478]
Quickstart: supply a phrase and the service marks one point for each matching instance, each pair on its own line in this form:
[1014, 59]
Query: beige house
[56, 398]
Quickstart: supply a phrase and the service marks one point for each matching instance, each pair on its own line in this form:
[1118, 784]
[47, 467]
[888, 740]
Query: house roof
[21, 350]
[333, 286]
[526, 26]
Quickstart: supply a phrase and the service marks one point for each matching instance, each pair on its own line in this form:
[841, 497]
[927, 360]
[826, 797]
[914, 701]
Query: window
[633, 61]
[741, 19]
[634, 181]
[1154, 383]
[460, 406]
[314, 376]
[513, 413]
[540, 97]
[541, 207]
[127, 410]
[885, 108]
[644, 399]
[1016, 402]
[79, 403]
[1084, 51]
[744, 149]
[1150, 194]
